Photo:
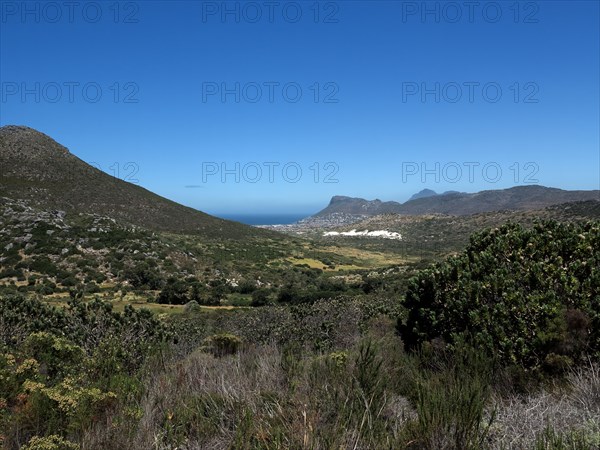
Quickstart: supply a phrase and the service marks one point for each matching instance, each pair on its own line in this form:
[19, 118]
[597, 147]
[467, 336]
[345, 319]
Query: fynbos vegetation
[529, 296]
[497, 346]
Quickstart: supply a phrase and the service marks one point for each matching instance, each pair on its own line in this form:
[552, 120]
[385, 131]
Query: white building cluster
[377, 233]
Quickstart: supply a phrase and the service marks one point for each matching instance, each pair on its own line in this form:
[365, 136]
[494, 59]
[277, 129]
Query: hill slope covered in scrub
[38, 169]
[437, 235]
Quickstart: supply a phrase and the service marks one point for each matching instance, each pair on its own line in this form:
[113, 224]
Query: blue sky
[375, 99]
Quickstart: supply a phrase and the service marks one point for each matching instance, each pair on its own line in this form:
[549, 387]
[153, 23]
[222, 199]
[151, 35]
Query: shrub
[552, 440]
[223, 344]
[192, 306]
[238, 300]
[69, 281]
[519, 293]
[43, 265]
[99, 278]
[10, 272]
[174, 293]
[91, 288]
[246, 287]
[52, 442]
[44, 289]
[260, 297]
[369, 377]
[57, 355]
[450, 397]
[143, 277]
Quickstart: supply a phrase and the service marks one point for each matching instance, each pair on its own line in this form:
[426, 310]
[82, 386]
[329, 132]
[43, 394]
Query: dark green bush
[246, 287]
[10, 272]
[518, 293]
[143, 277]
[260, 297]
[175, 292]
[44, 289]
[69, 281]
[42, 264]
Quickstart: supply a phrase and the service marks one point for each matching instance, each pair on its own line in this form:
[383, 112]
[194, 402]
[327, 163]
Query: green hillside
[38, 169]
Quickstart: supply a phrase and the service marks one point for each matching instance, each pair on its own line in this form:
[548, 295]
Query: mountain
[423, 194]
[460, 203]
[356, 206]
[36, 168]
[426, 193]
[512, 199]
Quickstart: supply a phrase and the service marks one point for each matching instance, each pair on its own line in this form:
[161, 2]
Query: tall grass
[451, 399]
[281, 397]
[566, 416]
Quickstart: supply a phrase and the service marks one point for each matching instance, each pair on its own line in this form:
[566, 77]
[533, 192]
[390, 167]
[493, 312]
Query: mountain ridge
[460, 203]
[423, 194]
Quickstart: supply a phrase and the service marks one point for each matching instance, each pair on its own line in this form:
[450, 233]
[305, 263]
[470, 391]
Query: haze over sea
[264, 219]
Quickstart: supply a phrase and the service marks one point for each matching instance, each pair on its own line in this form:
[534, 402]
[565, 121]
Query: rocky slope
[36, 168]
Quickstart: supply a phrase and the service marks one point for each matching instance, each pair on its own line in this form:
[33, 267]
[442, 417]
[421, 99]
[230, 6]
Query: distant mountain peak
[427, 201]
[423, 194]
[339, 199]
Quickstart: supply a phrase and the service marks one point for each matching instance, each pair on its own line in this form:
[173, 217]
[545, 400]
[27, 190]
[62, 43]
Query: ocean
[264, 219]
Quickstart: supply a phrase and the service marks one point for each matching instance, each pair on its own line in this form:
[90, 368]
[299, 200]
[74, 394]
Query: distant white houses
[378, 233]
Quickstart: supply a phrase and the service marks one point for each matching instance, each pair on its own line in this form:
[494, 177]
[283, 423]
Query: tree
[260, 297]
[143, 277]
[175, 292]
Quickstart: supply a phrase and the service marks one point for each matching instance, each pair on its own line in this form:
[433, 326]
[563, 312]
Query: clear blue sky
[361, 67]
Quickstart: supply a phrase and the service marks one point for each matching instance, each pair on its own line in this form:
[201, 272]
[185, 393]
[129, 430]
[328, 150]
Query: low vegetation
[529, 296]
[296, 345]
[359, 389]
